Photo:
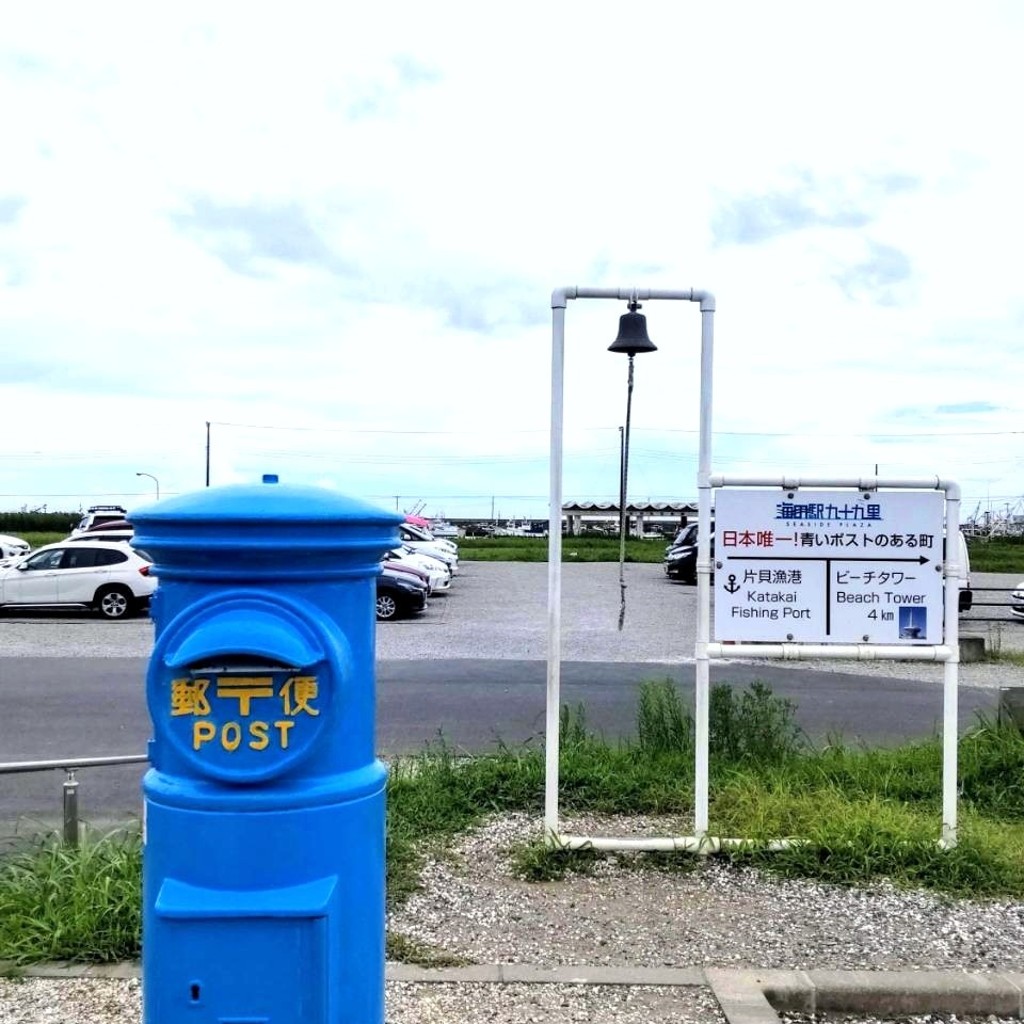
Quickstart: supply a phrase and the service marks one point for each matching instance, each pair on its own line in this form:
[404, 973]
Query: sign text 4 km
[829, 566]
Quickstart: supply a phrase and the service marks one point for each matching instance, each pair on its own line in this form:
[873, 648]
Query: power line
[476, 431]
[362, 430]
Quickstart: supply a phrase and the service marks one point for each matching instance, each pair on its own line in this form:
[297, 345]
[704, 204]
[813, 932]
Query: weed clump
[80, 904]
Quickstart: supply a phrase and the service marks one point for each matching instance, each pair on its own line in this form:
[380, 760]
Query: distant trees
[37, 522]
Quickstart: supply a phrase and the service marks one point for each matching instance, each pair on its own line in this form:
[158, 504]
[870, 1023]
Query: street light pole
[155, 481]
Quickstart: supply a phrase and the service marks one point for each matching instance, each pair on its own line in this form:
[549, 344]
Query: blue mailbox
[263, 878]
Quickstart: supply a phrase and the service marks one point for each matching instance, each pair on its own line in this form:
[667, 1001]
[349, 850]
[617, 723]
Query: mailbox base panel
[269, 916]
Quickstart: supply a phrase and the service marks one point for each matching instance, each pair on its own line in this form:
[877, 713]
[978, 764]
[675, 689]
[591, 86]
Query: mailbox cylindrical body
[263, 877]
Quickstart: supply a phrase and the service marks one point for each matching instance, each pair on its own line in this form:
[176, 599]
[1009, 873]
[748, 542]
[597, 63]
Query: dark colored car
[681, 555]
[399, 595]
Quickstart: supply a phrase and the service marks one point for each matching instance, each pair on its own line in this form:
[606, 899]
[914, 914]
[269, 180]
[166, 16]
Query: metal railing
[1006, 604]
[70, 765]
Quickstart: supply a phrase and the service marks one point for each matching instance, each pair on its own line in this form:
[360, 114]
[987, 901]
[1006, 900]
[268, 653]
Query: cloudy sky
[325, 237]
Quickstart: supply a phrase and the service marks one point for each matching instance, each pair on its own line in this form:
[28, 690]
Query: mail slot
[263, 877]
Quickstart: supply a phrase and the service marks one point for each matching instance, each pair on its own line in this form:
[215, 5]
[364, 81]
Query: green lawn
[574, 549]
[1001, 554]
[998, 554]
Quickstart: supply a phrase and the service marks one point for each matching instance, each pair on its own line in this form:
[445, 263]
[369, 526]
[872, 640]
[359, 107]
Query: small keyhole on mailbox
[193, 991]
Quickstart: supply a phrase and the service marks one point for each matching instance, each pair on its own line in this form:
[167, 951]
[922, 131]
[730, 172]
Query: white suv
[112, 579]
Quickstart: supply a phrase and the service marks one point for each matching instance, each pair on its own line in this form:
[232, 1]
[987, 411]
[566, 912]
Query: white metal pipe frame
[947, 652]
[559, 300]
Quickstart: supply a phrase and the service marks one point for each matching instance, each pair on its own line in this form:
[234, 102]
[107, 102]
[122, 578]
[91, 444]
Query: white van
[97, 514]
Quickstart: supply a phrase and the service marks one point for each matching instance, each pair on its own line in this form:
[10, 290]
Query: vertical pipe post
[951, 670]
[70, 808]
[702, 669]
[551, 745]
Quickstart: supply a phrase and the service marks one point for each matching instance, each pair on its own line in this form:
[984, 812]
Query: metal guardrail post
[70, 808]
[70, 766]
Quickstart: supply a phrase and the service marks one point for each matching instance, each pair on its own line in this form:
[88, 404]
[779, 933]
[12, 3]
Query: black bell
[632, 339]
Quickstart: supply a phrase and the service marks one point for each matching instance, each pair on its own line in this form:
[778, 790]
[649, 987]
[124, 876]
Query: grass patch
[37, 538]
[574, 549]
[854, 842]
[995, 652]
[436, 795]
[410, 951]
[860, 815]
[535, 861]
[84, 904]
[996, 554]
[752, 726]
[1001, 657]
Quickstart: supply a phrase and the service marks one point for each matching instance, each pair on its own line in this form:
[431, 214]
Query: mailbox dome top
[265, 531]
[266, 502]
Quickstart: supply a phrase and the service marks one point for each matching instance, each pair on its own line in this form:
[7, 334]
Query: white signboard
[829, 566]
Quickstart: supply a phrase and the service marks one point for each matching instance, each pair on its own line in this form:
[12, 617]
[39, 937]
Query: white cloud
[351, 220]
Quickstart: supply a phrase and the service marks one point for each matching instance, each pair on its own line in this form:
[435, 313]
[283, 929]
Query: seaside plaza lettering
[262, 712]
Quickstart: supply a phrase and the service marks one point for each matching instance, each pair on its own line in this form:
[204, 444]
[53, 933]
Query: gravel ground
[714, 916]
[103, 1001]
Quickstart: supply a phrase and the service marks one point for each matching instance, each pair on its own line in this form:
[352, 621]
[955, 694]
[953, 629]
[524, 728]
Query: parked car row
[97, 568]
[420, 566]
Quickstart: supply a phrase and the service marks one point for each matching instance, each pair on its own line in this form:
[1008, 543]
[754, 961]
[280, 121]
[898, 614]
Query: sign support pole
[551, 748]
[702, 665]
[950, 675]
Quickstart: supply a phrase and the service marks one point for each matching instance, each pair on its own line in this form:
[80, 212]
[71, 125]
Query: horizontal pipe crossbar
[683, 844]
[861, 483]
[14, 767]
[856, 652]
[560, 296]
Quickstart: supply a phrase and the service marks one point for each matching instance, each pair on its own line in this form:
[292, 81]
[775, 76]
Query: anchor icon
[731, 586]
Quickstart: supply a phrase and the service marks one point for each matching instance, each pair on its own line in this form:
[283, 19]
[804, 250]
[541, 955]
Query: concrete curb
[745, 996]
